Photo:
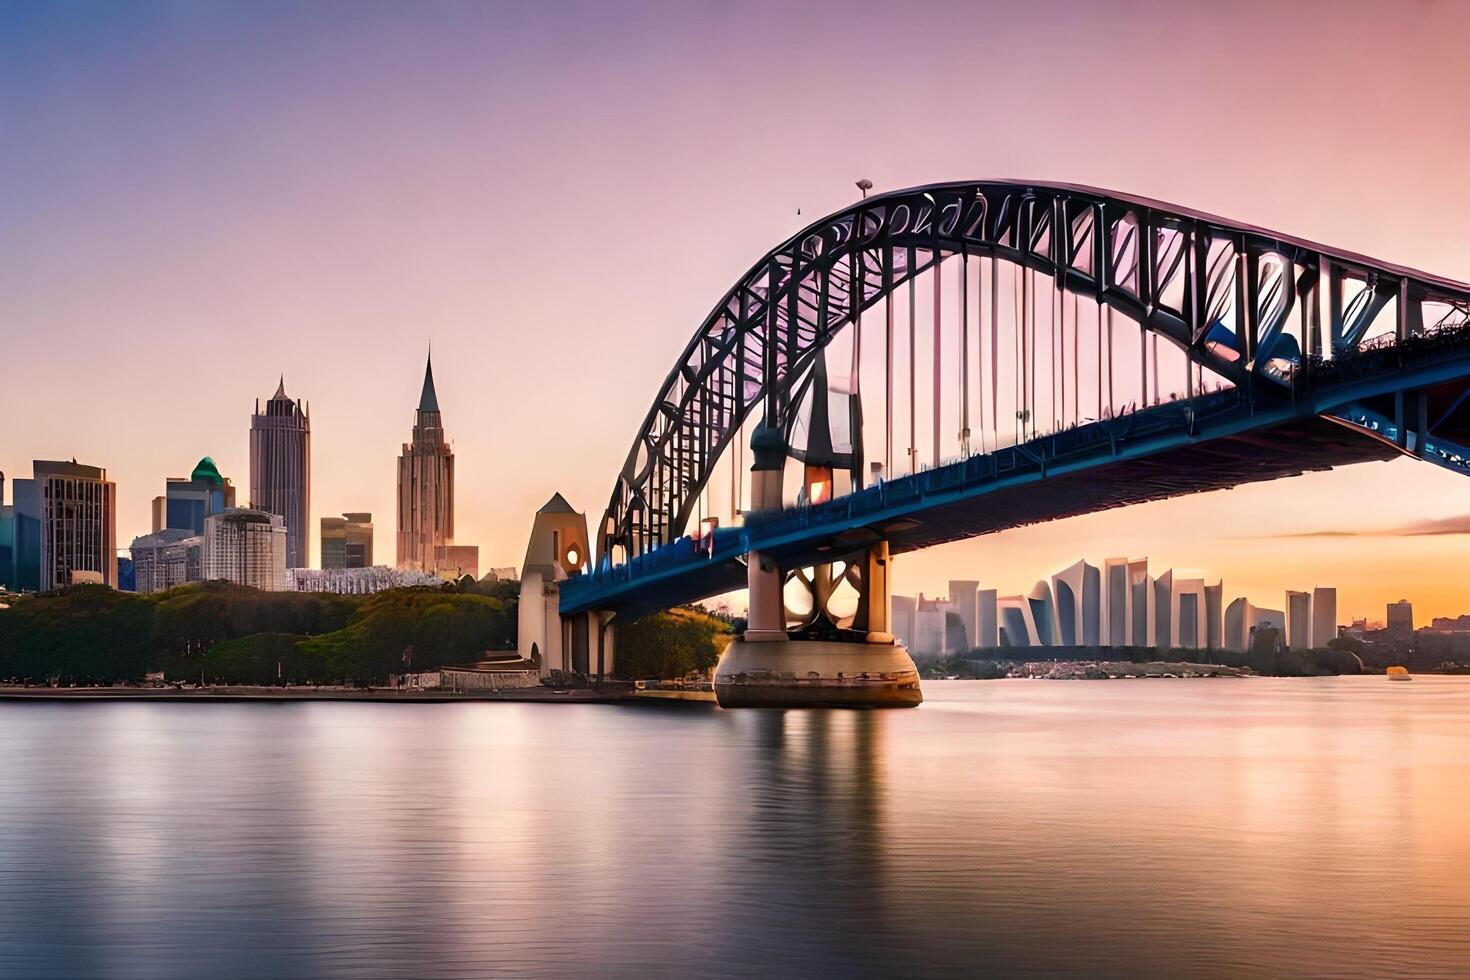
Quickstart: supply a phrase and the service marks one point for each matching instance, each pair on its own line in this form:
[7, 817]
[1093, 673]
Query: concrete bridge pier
[824, 661]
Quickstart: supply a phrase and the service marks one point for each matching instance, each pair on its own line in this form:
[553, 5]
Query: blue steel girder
[1222, 291]
[1220, 440]
[1410, 440]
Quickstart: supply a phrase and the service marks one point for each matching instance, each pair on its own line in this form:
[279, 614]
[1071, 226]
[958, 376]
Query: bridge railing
[1386, 350]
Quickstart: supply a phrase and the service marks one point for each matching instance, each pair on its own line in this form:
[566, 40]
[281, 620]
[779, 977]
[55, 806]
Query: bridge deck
[1149, 455]
[1213, 442]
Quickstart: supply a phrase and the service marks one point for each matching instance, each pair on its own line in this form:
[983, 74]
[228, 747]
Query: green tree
[669, 644]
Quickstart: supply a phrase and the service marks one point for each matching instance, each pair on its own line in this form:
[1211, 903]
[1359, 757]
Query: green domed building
[187, 502]
[208, 472]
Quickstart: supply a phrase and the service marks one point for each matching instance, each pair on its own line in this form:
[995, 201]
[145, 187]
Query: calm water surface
[1144, 828]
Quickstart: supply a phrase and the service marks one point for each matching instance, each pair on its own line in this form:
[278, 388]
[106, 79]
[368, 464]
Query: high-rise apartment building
[187, 502]
[247, 547]
[347, 541]
[65, 527]
[426, 494]
[280, 469]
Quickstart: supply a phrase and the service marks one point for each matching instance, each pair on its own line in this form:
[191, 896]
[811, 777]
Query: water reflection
[1150, 829]
[810, 846]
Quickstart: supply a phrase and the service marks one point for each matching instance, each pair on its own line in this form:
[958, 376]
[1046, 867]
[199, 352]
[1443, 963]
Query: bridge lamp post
[864, 185]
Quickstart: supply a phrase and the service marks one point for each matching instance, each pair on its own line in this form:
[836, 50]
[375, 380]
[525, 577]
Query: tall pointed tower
[280, 469]
[426, 486]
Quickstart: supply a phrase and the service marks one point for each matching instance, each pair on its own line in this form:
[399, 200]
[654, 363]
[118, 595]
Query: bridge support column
[875, 609]
[822, 664]
[833, 668]
[766, 619]
[604, 643]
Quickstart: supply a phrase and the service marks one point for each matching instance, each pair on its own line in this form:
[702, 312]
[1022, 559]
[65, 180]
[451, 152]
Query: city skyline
[1116, 603]
[349, 255]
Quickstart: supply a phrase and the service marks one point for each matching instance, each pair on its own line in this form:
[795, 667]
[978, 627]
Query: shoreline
[241, 694]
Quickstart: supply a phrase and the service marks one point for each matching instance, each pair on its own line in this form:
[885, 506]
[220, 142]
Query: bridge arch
[1247, 304]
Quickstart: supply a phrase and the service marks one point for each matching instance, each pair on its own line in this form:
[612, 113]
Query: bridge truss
[1056, 297]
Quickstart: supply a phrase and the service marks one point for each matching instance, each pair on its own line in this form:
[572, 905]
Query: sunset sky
[198, 197]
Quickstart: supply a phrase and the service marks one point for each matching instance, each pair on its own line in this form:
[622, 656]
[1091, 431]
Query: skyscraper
[280, 469]
[426, 494]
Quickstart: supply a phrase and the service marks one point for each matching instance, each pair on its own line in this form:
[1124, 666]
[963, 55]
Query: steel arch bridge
[1295, 356]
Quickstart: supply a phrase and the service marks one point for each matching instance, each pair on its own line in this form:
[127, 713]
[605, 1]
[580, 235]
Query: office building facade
[63, 525]
[347, 541]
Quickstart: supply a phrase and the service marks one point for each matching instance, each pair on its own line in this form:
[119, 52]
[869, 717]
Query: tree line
[224, 633]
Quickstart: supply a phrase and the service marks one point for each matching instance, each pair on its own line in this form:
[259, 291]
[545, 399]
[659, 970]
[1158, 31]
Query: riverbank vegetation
[229, 634]
[677, 643]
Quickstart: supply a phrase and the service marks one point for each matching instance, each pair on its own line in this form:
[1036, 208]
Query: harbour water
[1146, 828]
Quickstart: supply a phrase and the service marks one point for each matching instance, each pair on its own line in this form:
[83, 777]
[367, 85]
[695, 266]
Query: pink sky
[196, 198]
